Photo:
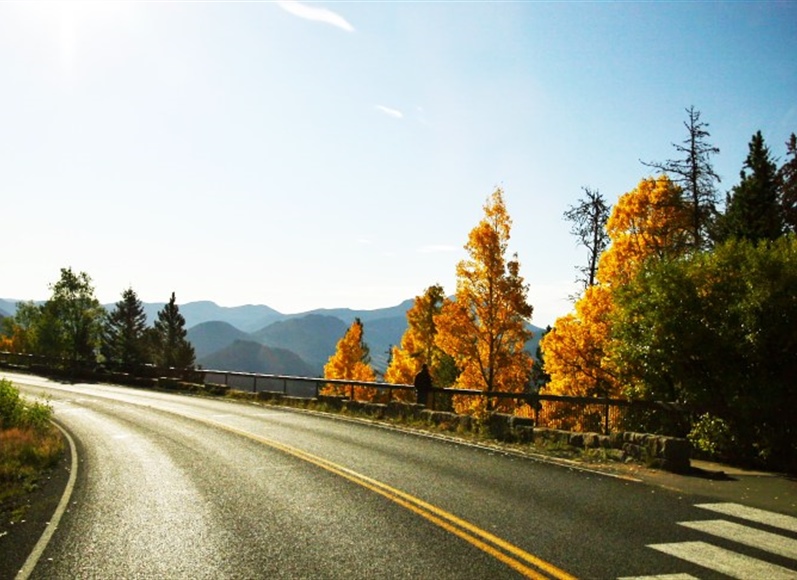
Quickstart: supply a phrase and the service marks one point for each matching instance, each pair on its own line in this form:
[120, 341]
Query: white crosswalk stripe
[728, 562]
[752, 537]
[743, 512]
[725, 561]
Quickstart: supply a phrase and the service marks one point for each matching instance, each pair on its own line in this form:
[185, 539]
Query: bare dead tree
[695, 175]
[588, 219]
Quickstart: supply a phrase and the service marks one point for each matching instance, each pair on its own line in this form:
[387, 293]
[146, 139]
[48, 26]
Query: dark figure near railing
[423, 384]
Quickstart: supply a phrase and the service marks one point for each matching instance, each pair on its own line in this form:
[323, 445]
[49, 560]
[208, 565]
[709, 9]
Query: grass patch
[29, 446]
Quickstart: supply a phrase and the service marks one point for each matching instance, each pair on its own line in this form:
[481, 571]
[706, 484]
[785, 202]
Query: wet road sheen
[181, 487]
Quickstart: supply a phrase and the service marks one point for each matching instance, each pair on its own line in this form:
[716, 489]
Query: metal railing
[586, 414]
[294, 386]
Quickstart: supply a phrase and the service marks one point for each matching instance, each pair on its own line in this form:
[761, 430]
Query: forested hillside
[252, 357]
[312, 337]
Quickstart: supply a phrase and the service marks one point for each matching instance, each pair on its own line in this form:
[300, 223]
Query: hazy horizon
[307, 155]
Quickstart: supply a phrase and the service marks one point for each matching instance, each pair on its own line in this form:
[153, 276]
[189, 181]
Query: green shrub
[712, 437]
[11, 406]
[15, 412]
[37, 416]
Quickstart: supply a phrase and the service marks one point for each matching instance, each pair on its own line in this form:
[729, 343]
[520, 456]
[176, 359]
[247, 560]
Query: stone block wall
[669, 453]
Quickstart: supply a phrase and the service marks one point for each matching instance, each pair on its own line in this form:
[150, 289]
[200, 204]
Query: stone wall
[668, 453]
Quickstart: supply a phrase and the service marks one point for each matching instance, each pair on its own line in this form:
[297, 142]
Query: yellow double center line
[516, 558]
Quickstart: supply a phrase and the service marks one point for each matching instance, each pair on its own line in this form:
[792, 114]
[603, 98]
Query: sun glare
[70, 26]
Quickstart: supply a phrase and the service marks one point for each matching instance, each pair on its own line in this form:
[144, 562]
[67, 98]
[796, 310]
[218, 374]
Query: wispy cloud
[316, 14]
[438, 249]
[395, 113]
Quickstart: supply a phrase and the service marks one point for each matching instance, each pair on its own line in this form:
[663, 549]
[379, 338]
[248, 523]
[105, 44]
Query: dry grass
[26, 454]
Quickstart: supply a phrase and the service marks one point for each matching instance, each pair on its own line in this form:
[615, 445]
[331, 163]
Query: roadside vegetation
[684, 298]
[30, 445]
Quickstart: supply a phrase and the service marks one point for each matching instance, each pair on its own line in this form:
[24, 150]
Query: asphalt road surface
[171, 486]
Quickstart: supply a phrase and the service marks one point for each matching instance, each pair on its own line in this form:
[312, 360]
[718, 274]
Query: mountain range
[257, 338]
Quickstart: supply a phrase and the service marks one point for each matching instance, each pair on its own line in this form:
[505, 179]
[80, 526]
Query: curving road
[180, 487]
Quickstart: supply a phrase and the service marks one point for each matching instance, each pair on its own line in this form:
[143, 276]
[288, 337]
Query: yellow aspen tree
[418, 344]
[402, 368]
[575, 348]
[13, 337]
[649, 222]
[351, 360]
[484, 327]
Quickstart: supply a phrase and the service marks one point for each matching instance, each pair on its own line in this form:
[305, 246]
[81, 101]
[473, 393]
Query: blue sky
[331, 154]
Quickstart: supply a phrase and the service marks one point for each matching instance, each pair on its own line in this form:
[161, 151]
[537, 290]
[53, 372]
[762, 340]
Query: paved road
[180, 487]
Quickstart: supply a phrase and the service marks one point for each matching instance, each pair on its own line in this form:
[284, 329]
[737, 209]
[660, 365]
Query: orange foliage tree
[574, 349]
[351, 360]
[484, 327]
[12, 336]
[649, 222]
[20, 331]
[418, 345]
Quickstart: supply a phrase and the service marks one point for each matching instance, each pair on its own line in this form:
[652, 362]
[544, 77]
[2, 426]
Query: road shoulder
[18, 539]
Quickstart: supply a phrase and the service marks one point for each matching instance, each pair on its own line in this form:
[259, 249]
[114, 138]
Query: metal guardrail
[290, 385]
[599, 414]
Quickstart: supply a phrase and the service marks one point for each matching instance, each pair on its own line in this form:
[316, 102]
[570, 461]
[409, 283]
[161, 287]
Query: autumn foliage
[418, 345]
[575, 349]
[351, 360]
[649, 222]
[484, 328]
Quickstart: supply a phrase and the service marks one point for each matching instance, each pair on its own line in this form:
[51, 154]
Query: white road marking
[63, 504]
[753, 514]
[767, 541]
[70, 410]
[724, 561]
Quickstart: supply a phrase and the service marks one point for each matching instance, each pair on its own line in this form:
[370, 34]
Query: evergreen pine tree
[123, 333]
[753, 211]
[539, 376]
[172, 349]
[787, 176]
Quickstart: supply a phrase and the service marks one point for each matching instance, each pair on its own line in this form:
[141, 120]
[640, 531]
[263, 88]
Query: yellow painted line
[512, 556]
[516, 558]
